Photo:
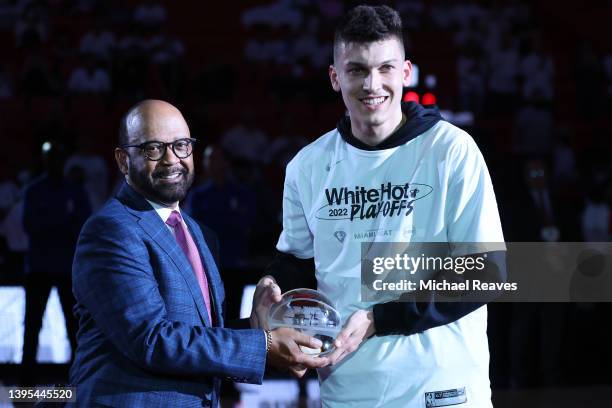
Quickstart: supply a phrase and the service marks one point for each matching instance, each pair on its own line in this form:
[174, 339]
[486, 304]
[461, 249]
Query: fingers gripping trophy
[310, 312]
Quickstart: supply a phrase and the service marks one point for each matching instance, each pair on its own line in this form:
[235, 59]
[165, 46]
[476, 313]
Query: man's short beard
[160, 194]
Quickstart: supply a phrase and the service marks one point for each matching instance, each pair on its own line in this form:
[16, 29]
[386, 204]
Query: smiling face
[371, 77]
[167, 180]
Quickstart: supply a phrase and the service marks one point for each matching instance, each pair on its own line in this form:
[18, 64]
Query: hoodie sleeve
[472, 219]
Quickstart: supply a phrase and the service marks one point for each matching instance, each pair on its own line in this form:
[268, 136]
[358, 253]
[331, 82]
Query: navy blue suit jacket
[144, 338]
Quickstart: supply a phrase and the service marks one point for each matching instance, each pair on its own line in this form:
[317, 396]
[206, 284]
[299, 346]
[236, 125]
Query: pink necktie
[184, 239]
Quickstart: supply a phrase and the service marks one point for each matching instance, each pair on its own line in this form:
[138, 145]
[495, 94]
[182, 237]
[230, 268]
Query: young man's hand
[359, 327]
[267, 293]
[285, 352]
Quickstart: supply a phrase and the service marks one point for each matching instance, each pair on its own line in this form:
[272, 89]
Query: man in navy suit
[149, 295]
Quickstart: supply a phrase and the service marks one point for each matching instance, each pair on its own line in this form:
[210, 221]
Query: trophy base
[326, 348]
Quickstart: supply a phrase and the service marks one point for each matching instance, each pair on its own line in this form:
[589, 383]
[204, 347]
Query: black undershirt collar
[419, 119]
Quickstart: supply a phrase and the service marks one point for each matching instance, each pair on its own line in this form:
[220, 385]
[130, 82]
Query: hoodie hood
[419, 119]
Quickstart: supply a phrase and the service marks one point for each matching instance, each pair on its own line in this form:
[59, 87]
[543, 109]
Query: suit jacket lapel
[212, 273]
[153, 225]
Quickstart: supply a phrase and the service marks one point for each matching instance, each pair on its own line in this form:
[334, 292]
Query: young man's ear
[333, 77]
[122, 159]
[406, 73]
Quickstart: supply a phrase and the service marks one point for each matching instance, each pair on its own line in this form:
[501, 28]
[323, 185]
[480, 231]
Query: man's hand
[297, 371]
[359, 326]
[285, 352]
[266, 294]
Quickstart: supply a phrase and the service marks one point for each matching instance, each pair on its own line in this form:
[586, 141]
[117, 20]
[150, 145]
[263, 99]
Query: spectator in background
[564, 160]
[595, 220]
[305, 43]
[63, 51]
[536, 70]
[517, 12]
[94, 168]
[588, 73]
[330, 10]
[11, 228]
[132, 41]
[441, 14]
[131, 63]
[31, 29]
[495, 27]
[470, 36]
[9, 193]
[503, 68]
[536, 205]
[115, 13]
[471, 74]
[167, 53]
[533, 127]
[54, 211]
[86, 6]
[150, 14]
[596, 159]
[245, 140]
[411, 12]
[89, 78]
[608, 70]
[536, 329]
[467, 11]
[226, 206]
[307, 48]
[37, 77]
[279, 13]
[262, 48]
[8, 15]
[165, 48]
[98, 42]
[284, 145]
[6, 83]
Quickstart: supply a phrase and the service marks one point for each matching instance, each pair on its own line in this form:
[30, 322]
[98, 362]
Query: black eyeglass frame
[142, 147]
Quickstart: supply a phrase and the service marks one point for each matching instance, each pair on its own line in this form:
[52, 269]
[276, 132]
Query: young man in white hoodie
[389, 172]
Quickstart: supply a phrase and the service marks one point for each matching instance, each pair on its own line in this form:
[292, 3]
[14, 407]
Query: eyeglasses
[154, 150]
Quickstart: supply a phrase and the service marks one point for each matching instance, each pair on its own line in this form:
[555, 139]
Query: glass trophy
[310, 312]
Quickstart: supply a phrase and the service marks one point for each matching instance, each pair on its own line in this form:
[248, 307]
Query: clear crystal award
[310, 312]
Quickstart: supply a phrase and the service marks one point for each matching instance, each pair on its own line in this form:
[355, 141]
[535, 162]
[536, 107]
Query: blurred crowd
[253, 82]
